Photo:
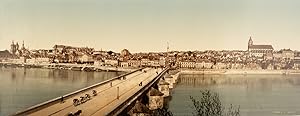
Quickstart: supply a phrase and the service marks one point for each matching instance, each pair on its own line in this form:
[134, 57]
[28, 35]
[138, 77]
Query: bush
[162, 112]
[209, 104]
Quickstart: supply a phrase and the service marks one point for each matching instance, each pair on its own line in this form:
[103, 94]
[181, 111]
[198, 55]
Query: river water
[21, 88]
[257, 95]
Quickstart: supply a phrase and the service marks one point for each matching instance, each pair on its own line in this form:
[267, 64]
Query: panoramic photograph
[149, 57]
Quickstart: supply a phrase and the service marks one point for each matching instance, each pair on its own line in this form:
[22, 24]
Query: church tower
[23, 45]
[13, 48]
[250, 43]
[17, 46]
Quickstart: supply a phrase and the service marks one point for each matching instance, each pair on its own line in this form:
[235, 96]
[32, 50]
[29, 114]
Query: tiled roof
[4, 52]
[261, 47]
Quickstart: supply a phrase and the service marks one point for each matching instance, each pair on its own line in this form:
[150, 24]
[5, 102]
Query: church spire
[250, 42]
[23, 45]
[13, 47]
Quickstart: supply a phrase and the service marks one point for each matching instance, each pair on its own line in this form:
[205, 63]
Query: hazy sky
[147, 25]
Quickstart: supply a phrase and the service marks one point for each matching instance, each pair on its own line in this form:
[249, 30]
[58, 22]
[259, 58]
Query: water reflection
[24, 87]
[249, 80]
[258, 95]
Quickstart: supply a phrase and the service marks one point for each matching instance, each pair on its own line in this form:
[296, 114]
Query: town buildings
[255, 57]
[5, 55]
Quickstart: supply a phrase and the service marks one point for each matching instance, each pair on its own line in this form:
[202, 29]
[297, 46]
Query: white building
[42, 60]
[85, 58]
[288, 54]
[134, 63]
[284, 54]
[38, 61]
[162, 61]
[220, 65]
[145, 62]
[111, 62]
[124, 64]
[277, 55]
[155, 63]
[187, 64]
[99, 63]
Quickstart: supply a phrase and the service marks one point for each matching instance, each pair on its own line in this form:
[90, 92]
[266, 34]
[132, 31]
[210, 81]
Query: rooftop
[6, 53]
[261, 47]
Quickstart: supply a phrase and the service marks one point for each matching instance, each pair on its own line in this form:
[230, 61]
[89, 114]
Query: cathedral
[259, 50]
[16, 50]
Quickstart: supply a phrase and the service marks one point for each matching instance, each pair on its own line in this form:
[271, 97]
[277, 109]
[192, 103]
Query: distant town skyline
[147, 26]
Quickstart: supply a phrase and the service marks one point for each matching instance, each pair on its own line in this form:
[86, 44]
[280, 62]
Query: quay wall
[182, 71]
[67, 66]
[239, 71]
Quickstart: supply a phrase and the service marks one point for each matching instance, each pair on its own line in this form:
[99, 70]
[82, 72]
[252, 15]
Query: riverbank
[90, 67]
[238, 72]
[67, 66]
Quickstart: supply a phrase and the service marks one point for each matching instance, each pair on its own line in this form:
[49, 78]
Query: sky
[148, 25]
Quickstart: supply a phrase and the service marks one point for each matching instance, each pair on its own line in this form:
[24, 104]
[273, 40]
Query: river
[21, 88]
[257, 95]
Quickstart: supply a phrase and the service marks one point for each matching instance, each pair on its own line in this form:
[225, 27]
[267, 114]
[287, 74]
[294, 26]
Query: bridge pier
[176, 77]
[156, 99]
[163, 87]
[139, 109]
[171, 79]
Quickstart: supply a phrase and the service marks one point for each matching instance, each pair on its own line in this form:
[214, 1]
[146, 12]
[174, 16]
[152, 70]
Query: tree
[162, 112]
[209, 104]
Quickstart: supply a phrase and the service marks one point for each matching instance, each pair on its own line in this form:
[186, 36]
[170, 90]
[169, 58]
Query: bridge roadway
[108, 96]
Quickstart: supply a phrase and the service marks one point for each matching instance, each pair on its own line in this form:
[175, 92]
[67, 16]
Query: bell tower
[13, 48]
[250, 43]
